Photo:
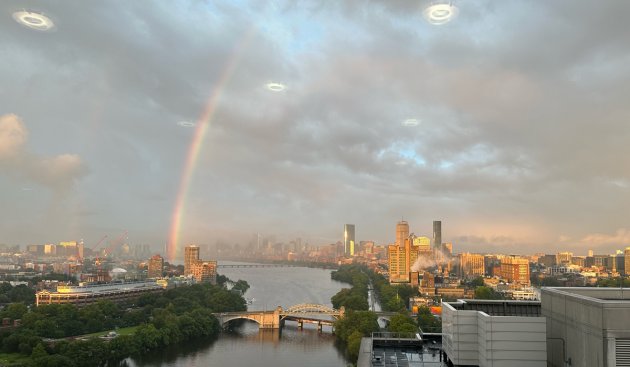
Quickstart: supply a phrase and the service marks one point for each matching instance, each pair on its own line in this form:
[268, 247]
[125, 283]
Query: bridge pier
[301, 324]
[319, 327]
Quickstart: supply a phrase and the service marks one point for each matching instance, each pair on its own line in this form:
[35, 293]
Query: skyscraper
[437, 235]
[156, 263]
[348, 240]
[400, 257]
[191, 257]
[402, 232]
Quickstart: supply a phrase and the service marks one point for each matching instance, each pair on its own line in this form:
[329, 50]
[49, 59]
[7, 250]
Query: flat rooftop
[602, 295]
[499, 307]
[427, 353]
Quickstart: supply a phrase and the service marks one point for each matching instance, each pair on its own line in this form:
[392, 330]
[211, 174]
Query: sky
[521, 140]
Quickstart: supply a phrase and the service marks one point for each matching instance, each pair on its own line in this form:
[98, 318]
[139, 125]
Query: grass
[122, 331]
[8, 359]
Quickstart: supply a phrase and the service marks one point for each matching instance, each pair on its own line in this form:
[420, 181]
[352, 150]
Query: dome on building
[118, 273]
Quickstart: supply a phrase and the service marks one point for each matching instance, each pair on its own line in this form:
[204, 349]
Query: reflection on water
[243, 344]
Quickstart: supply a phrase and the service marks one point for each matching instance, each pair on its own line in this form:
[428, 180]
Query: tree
[402, 323]
[484, 292]
[477, 282]
[39, 352]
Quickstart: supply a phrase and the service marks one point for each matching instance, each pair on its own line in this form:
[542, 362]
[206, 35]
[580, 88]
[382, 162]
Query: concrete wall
[478, 339]
[507, 341]
[589, 320]
[459, 335]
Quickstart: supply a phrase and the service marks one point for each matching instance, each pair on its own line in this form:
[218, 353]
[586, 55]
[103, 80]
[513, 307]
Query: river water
[246, 345]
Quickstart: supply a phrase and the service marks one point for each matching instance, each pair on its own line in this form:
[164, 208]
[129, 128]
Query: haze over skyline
[519, 144]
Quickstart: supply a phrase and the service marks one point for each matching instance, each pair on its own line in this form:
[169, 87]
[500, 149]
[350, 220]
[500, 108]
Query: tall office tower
[191, 257]
[396, 259]
[590, 253]
[401, 255]
[437, 235]
[471, 265]
[515, 269]
[348, 239]
[402, 232]
[156, 264]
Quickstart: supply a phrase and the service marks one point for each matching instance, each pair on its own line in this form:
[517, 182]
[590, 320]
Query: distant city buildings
[155, 268]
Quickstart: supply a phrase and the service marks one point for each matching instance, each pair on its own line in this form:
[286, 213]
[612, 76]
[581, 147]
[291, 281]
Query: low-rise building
[83, 295]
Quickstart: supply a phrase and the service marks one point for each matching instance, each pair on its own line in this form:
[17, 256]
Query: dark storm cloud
[522, 109]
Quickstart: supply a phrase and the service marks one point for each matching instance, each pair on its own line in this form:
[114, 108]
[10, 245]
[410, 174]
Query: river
[246, 345]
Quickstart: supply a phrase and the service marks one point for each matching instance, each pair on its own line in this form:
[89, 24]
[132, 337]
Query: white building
[490, 333]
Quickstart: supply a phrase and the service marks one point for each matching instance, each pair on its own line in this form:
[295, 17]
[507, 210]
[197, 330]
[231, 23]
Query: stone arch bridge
[275, 319]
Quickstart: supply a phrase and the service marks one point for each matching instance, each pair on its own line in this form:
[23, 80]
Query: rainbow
[203, 123]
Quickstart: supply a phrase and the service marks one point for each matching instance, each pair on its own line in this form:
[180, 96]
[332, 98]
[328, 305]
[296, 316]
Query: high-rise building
[471, 265]
[191, 257]
[400, 257]
[156, 263]
[348, 240]
[422, 243]
[437, 235]
[515, 269]
[205, 271]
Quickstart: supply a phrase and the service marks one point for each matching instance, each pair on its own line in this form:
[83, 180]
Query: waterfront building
[156, 264]
[205, 272]
[191, 256]
[83, 295]
[348, 240]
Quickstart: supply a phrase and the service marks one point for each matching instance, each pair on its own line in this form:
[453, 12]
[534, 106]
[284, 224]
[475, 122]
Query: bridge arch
[226, 320]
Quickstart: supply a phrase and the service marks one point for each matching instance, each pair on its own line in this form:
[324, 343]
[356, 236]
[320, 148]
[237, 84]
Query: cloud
[58, 173]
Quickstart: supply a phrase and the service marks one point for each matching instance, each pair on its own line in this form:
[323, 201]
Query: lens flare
[33, 20]
[410, 122]
[440, 12]
[276, 87]
[186, 124]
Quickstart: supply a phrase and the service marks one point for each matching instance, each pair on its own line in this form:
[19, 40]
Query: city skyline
[508, 124]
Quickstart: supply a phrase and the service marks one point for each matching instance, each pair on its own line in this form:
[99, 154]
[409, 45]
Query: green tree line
[171, 317]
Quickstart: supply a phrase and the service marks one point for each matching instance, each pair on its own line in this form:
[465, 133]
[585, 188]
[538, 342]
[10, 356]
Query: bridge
[224, 266]
[275, 319]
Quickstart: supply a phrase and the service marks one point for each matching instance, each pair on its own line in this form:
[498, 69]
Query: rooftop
[499, 307]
